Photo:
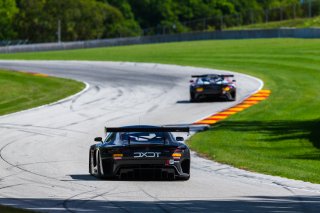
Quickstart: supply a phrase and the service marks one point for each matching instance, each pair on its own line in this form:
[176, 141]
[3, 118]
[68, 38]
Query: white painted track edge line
[145, 63]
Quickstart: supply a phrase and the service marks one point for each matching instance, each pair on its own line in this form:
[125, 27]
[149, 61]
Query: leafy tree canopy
[37, 20]
[8, 10]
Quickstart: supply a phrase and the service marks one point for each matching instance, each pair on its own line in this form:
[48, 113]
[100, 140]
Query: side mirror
[191, 81]
[179, 139]
[98, 139]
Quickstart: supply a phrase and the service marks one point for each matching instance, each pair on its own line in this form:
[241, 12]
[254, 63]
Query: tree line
[40, 20]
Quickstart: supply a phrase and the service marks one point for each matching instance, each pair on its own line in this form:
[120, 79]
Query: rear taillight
[177, 154]
[226, 89]
[117, 156]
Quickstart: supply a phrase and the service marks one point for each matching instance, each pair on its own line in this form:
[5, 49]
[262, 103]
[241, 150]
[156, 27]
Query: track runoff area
[49, 172]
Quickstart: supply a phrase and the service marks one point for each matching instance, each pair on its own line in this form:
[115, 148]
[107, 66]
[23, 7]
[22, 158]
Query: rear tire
[230, 96]
[184, 178]
[192, 97]
[187, 178]
[234, 95]
[90, 163]
[185, 166]
[99, 165]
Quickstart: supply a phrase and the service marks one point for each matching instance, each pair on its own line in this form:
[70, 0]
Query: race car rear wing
[208, 75]
[147, 129]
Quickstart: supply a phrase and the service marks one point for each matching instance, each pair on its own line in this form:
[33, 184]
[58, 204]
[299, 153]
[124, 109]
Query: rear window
[145, 137]
[210, 79]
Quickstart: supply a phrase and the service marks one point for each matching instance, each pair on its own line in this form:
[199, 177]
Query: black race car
[140, 152]
[213, 85]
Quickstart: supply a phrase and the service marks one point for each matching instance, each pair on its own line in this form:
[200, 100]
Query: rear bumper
[143, 169]
[208, 95]
[212, 94]
[159, 173]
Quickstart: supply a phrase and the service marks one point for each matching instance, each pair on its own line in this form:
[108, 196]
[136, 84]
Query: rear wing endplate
[227, 76]
[147, 129]
[208, 75]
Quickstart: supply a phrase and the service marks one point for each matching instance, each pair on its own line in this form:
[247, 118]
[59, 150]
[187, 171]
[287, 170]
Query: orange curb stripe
[206, 122]
[34, 74]
[230, 112]
[244, 105]
[252, 100]
[40, 75]
[236, 109]
[225, 113]
[261, 95]
[256, 98]
[210, 119]
[264, 91]
[250, 103]
[215, 117]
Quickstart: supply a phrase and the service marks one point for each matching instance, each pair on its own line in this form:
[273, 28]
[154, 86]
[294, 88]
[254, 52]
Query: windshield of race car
[210, 79]
[145, 137]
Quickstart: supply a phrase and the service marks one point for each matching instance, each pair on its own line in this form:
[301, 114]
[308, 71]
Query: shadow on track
[203, 100]
[267, 204]
[88, 177]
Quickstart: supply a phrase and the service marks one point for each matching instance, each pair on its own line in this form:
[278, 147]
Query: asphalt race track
[44, 151]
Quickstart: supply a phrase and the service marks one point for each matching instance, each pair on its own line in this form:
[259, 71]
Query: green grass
[279, 136]
[20, 91]
[298, 23]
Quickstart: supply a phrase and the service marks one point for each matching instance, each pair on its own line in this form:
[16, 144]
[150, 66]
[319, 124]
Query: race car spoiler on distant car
[147, 129]
[208, 75]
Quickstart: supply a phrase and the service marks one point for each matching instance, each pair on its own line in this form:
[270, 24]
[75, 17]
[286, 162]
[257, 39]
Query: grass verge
[279, 136]
[20, 91]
